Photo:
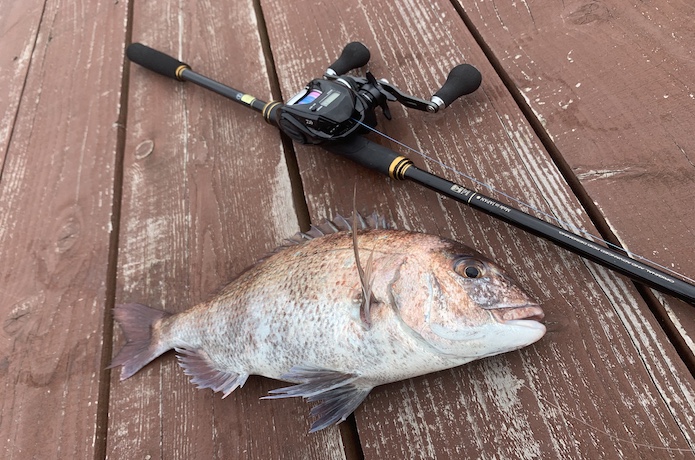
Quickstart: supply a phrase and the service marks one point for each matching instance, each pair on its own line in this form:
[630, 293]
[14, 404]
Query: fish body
[299, 316]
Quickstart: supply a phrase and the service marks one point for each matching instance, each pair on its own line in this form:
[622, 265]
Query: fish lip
[524, 313]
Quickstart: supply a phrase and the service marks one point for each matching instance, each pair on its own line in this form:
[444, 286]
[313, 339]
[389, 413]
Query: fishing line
[567, 225]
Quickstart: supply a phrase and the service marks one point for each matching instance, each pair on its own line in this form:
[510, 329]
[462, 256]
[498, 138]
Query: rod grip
[370, 154]
[354, 55]
[463, 79]
[363, 151]
[156, 61]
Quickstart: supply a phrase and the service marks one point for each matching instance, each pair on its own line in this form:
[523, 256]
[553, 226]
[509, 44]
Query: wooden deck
[118, 185]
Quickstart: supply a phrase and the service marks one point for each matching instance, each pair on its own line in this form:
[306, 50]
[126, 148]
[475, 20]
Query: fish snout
[529, 312]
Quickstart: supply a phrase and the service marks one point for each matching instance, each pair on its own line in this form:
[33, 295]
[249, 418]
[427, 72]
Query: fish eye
[469, 268]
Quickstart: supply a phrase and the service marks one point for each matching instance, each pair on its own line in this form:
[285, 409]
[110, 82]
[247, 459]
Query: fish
[312, 315]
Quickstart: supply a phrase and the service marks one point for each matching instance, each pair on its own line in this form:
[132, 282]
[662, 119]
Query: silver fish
[309, 315]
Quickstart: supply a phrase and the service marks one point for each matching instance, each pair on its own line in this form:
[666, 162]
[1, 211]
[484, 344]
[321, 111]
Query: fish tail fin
[137, 322]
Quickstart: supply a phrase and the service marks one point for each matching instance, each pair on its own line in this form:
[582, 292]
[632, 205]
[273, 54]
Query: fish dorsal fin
[197, 365]
[339, 224]
[337, 391]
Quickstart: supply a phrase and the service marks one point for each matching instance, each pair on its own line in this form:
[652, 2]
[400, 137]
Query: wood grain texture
[605, 378]
[611, 81]
[19, 25]
[56, 198]
[206, 193]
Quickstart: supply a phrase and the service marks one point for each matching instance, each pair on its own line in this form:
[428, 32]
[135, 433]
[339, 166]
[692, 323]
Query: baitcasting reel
[338, 106]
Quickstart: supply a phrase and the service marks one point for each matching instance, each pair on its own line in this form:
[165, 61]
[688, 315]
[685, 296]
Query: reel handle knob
[156, 61]
[463, 79]
[354, 55]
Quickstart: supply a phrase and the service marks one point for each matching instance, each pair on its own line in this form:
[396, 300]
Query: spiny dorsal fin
[339, 224]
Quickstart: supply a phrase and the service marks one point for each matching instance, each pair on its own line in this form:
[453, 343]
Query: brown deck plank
[206, 193]
[19, 26]
[56, 198]
[612, 83]
[605, 378]
[213, 195]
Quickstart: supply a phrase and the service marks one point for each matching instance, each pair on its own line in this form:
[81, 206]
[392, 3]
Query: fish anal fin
[197, 365]
[337, 391]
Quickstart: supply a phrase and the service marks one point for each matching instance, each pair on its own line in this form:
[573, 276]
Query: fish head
[463, 304]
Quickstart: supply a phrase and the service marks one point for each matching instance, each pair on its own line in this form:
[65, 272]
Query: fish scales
[299, 316]
[273, 321]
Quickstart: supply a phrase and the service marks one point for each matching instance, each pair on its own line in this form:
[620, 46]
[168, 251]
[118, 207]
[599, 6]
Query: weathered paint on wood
[56, 198]
[206, 193]
[605, 378]
[19, 25]
[611, 82]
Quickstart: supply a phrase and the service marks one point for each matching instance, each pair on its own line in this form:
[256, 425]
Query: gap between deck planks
[107, 353]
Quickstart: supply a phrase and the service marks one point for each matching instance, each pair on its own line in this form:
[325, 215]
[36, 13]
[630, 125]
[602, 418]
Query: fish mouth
[528, 315]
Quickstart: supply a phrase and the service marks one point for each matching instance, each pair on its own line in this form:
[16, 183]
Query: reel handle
[463, 79]
[354, 55]
[156, 61]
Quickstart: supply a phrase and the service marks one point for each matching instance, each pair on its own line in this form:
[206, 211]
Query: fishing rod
[336, 110]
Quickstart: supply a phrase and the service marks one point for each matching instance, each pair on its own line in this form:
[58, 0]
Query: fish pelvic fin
[137, 322]
[197, 365]
[337, 391]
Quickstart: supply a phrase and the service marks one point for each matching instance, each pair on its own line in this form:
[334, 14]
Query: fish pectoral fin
[197, 365]
[337, 391]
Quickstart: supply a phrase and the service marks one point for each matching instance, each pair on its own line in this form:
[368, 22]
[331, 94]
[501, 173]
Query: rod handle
[372, 155]
[156, 61]
[354, 55]
[463, 79]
